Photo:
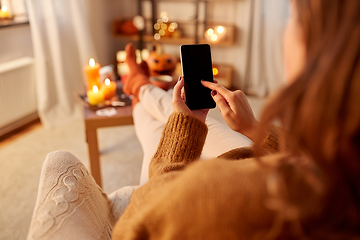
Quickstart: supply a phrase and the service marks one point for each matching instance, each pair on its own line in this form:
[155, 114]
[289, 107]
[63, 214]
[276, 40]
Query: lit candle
[109, 89]
[4, 12]
[95, 96]
[92, 74]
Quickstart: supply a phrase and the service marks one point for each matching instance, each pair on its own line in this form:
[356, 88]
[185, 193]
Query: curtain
[265, 73]
[62, 46]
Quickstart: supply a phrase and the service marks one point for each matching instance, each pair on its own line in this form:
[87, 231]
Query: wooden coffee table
[92, 123]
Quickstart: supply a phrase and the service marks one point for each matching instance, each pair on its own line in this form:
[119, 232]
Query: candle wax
[109, 89]
[92, 76]
[95, 96]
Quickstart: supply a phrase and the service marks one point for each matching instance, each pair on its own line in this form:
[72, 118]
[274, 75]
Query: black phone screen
[196, 66]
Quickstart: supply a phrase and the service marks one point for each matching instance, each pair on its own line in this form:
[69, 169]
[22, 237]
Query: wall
[15, 42]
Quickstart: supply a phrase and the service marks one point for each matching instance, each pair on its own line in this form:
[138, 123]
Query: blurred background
[45, 48]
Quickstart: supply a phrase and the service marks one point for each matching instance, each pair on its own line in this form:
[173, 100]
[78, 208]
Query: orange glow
[215, 71]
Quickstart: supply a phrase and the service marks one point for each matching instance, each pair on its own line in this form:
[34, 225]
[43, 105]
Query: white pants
[150, 116]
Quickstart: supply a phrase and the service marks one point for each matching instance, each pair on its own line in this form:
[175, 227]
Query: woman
[304, 182]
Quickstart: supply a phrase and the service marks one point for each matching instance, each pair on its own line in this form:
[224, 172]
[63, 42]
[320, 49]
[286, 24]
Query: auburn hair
[320, 110]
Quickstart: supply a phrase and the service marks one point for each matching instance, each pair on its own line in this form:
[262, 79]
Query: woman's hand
[234, 108]
[179, 105]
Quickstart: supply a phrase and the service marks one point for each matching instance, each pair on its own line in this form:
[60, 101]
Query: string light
[214, 37]
[161, 32]
[163, 26]
[210, 31]
[157, 26]
[157, 36]
[217, 35]
[163, 14]
[174, 25]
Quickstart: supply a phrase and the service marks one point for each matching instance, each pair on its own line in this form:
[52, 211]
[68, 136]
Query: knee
[60, 159]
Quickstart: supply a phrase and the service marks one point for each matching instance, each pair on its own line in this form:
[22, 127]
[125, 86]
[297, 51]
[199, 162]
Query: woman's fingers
[177, 90]
[215, 86]
[179, 103]
[183, 94]
[221, 102]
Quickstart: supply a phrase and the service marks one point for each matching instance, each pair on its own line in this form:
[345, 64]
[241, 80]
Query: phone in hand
[196, 66]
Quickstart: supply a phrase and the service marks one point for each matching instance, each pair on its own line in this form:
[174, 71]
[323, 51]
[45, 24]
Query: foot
[137, 77]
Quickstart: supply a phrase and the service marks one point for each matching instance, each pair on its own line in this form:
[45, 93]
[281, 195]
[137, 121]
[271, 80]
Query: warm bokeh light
[107, 81]
[157, 26]
[214, 37]
[174, 25]
[163, 14]
[210, 31]
[157, 36]
[160, 21]
[4, 8]
[220, 29]
[215, 71]
[139, 22]
[171, 29]
[165, 19]
[96, 89]
[163, 26]
[92, 62]
[145, 54]
[161, 32]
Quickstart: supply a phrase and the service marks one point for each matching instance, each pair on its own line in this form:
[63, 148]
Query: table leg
[91, 137]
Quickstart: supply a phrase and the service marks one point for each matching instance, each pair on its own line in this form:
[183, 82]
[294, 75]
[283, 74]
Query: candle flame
[4, 8]
[92, 62]
[95, 89]
[107, 82]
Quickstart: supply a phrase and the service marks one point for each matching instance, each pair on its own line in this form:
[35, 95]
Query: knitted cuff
[271, 142]
[182, 139]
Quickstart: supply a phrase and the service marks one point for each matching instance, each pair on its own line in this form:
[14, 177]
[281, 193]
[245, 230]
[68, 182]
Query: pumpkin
[126, 27]
[161, 64]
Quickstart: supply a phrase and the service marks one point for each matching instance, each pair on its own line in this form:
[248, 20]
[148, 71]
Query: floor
[18, 133]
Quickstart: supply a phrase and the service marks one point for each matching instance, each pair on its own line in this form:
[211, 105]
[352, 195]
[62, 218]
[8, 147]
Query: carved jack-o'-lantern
[161, 64]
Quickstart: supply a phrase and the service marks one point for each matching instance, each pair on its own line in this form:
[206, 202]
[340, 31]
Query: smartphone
[196, 66]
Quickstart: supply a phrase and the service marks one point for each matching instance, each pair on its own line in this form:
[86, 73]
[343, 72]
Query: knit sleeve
[181, 142]
[271, 143]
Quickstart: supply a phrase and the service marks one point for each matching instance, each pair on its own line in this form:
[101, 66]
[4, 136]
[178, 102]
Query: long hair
[321, 109]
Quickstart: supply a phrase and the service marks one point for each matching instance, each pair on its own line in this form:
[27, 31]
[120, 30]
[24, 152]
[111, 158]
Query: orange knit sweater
[215, 199]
